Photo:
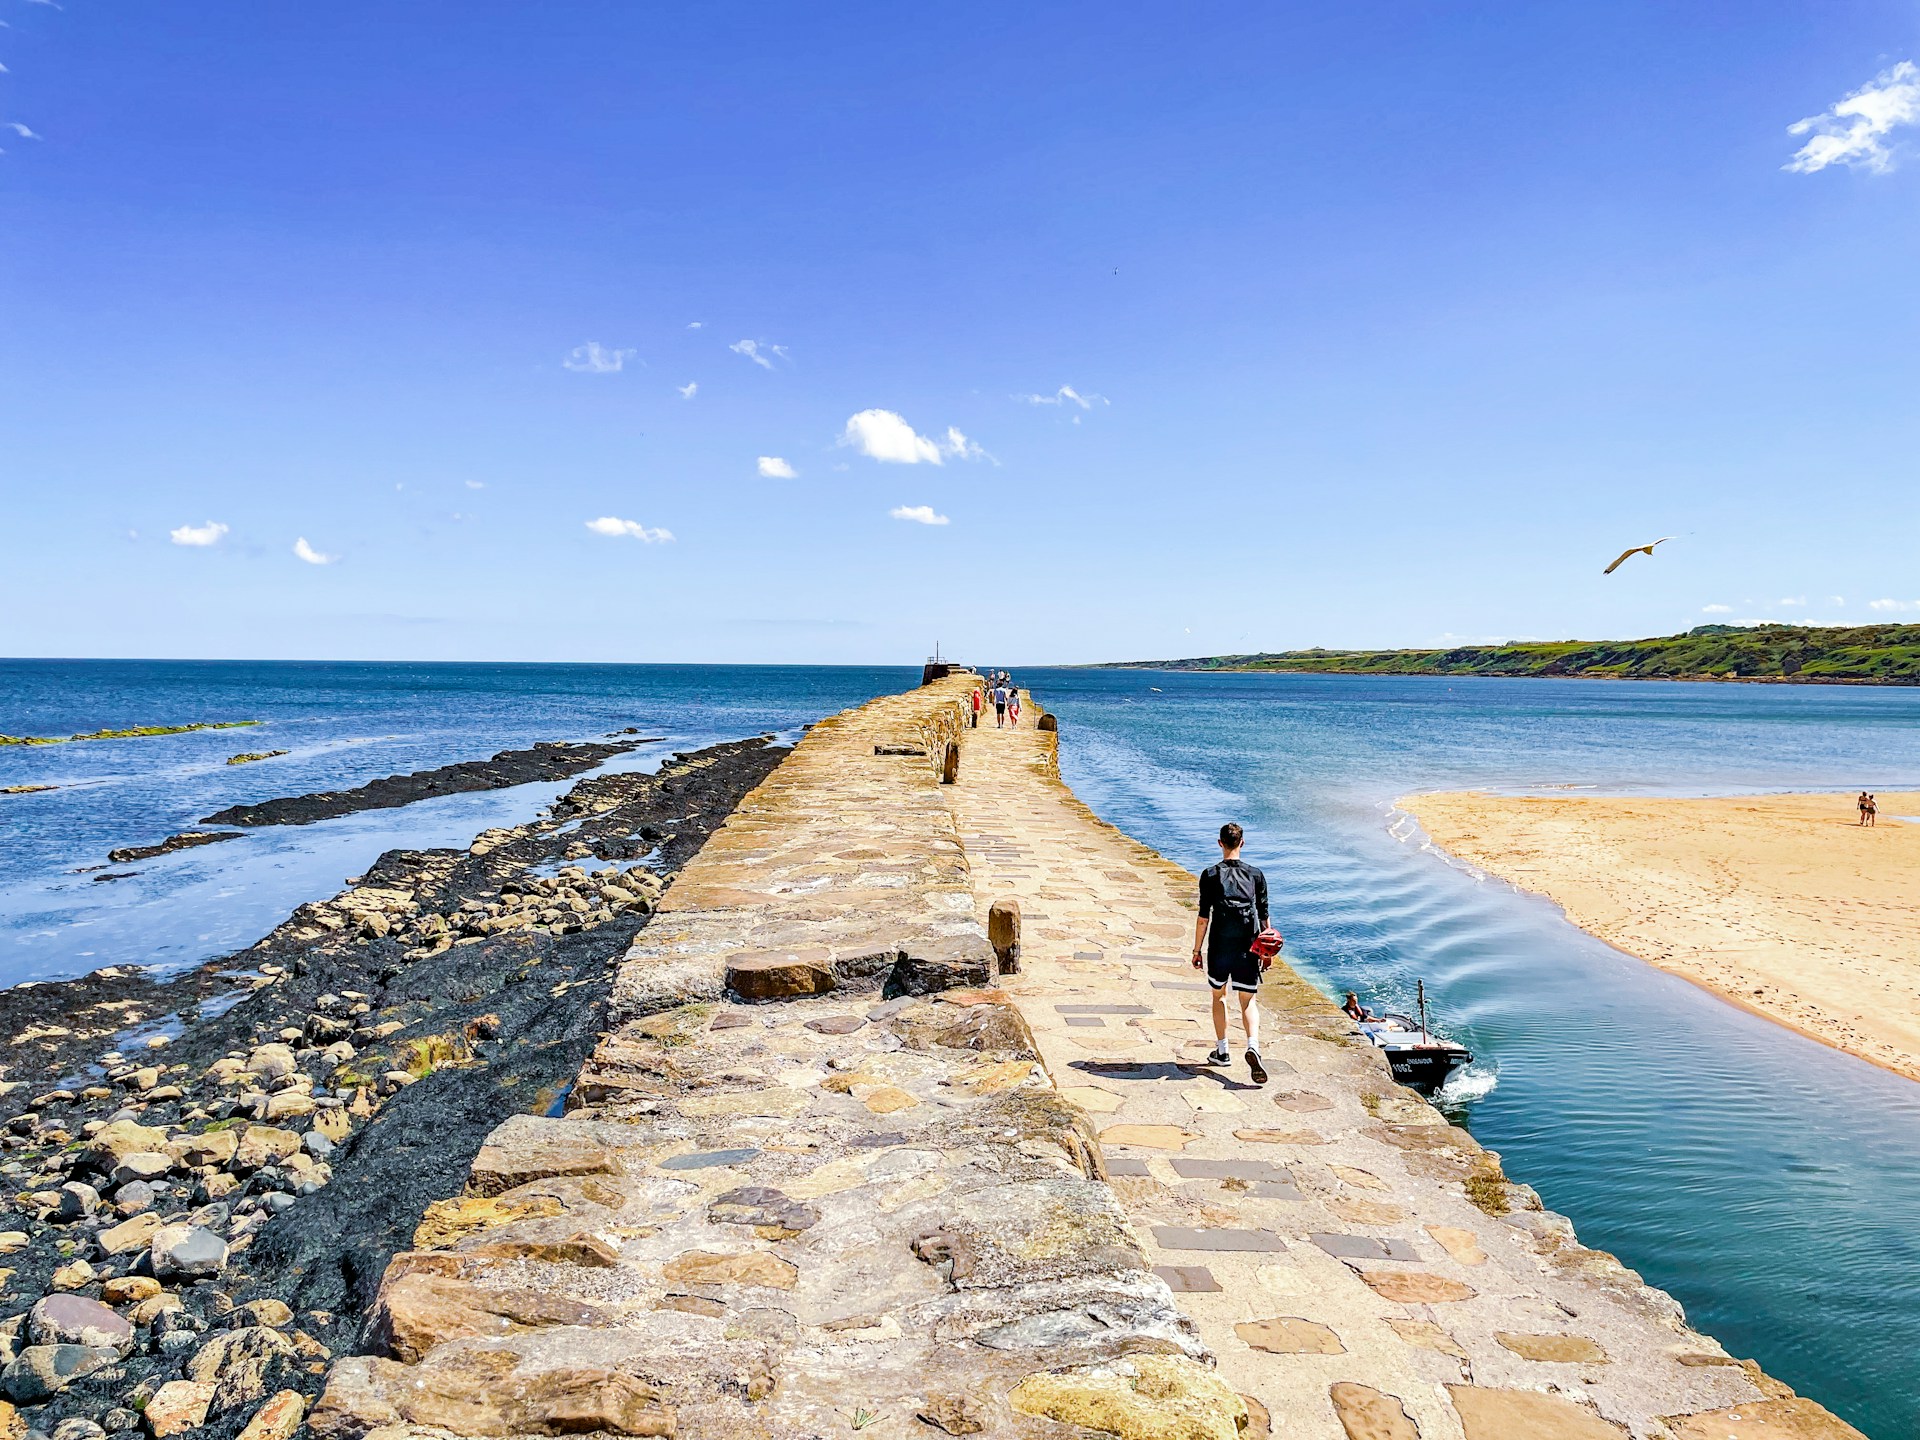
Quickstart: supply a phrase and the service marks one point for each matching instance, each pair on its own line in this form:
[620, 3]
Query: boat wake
[1464, 1086]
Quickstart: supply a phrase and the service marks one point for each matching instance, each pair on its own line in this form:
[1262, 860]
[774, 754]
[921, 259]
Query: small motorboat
[1419, 1058]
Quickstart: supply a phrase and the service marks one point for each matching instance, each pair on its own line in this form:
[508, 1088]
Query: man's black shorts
[1238, 968]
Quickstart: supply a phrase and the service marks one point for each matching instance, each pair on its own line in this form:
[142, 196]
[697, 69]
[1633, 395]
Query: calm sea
[1770, 1184]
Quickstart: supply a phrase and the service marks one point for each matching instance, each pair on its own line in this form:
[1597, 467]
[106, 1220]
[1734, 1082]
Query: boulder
[262, 1145]
[481, 1393]
[187, 1252]
[133, 1197]
[777, 975]
[272, 1313]
[141, 1165]
[425, 1299]
[178, 1405]
[78, 1428]
[74, 1275]
[278, 1418]
[286, 1104]
[77, 1201]
[41, 1372]
[271, 1060]
[212, 1147]
[241, 1365]
[134, 1234]
[76, 1320]
[121, 1138]
[1144, 1397]
[1003, 934]
[129, 1289]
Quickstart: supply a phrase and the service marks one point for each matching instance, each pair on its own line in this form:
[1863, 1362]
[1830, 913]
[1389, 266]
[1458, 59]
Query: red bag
[1267, 945]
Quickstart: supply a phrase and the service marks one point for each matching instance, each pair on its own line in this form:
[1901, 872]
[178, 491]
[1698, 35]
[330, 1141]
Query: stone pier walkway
[1360, 1269]
[824, 1176]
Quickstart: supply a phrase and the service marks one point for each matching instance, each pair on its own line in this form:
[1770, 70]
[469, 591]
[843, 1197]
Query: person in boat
[1233, 913]
[1354, 1008]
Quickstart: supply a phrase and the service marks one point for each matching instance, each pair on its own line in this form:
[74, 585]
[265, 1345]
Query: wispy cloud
[207, 534]
[1893, 604]
[1794, 602]
[1716, 609]
[759, 352]
[312, 556]
[1066, 395]
[1854, 131]
[628, 529]
[23, 131]
[593, 358]
[918, 514]
[695, 324]
[885, 435]
[772, 467]
[688, 390]
[476, 484]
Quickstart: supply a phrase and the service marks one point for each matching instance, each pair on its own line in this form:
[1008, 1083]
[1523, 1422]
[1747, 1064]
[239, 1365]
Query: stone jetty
[904, 1127]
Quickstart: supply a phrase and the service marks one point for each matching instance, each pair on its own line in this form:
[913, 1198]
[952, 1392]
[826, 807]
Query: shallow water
[1769, 1183]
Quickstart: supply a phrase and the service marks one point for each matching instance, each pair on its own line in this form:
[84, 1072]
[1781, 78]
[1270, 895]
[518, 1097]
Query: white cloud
[1893, 604]
[23, 131]
[919, 514]
[1793, 601]
[772, 467]
[207, 534]
[1065, 395]
[614, 526]
[688, 390]
[759, 352]
[1854, 131]
[312, 556]
[885, 435]
[1716, 609]
[593, 358]
[695, 324]
[476, 484]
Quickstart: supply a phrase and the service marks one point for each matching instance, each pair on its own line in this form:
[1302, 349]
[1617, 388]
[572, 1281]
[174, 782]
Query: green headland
[1807, 654]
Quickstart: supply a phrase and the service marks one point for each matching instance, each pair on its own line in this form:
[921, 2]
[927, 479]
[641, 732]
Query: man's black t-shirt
[1228, 891]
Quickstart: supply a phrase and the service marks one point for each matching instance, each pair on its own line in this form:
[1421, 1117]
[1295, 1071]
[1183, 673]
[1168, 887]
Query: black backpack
[1238, 903]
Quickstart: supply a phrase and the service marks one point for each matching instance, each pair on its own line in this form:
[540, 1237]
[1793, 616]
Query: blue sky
[1355, 325]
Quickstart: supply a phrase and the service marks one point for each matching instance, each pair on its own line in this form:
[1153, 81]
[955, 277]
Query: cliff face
[829, 1172]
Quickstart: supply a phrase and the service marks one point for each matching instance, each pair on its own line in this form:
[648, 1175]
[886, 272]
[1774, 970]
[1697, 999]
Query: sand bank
[1779, 903]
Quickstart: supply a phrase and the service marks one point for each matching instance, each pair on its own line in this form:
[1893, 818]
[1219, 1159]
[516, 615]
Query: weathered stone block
[780, 975]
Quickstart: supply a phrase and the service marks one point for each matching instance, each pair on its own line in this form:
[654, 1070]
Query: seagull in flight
[1634, 550]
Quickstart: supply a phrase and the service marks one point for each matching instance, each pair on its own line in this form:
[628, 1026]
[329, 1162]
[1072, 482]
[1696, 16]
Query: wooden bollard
[1047, 722]
[1003, 933]
[950, 763]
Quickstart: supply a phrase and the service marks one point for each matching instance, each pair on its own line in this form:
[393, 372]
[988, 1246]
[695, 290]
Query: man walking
[1233, 911]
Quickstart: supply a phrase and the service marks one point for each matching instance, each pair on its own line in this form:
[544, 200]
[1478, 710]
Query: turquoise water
[1769, 1183]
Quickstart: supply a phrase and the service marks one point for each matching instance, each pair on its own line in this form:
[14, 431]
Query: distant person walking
[1861, 804]
[1873, 811]
[999, 707]
[1013, 704]
[977, 702]
[1233, 913]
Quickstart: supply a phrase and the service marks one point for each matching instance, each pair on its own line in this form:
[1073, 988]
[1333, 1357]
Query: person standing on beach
[1873, 812]
[1861, 804]
[1233, 911]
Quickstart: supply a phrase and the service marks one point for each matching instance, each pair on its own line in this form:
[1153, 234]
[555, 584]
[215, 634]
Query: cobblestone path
[1361, 1269]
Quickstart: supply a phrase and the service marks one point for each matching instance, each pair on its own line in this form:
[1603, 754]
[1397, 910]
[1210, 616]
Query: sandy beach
[1781, 904]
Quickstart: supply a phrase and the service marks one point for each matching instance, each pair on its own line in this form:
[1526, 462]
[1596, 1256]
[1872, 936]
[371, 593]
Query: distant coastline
[1758, 654]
